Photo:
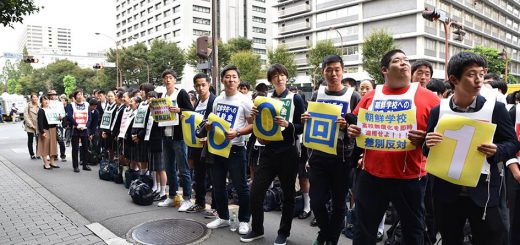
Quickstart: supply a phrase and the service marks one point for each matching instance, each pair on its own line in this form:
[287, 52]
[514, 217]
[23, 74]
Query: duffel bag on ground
[141, 192]
[107, 170]
[131, 175]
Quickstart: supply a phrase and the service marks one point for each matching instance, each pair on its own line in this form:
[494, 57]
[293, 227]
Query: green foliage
[249, 65]
[13, 11]
[374, 47]
[282, 56]
[238, 44]
[316, 55]
[56, 72]
[496, 64]
[69, 83]
[165, 55]
[11, 86]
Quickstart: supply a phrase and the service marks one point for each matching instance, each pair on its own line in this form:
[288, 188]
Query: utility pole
[214, 41]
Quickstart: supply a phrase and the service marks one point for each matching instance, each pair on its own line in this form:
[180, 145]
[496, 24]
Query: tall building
[184, 21]
[301, 24]
[46, 39]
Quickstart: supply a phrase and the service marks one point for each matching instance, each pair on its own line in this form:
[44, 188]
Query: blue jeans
[174, 156]
[236, 164]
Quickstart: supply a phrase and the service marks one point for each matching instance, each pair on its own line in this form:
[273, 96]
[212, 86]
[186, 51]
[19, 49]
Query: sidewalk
[29, 214]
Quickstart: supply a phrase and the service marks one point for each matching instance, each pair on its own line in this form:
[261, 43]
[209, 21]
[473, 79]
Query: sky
[84, 17]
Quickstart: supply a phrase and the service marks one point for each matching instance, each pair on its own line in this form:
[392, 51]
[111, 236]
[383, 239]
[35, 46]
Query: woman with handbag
[31, 122]
[47, 140]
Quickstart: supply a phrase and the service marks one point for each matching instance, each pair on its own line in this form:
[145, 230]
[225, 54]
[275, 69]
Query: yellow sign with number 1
[456, 159]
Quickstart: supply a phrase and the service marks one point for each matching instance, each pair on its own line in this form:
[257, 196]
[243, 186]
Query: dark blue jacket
[70, 118]
[507, 146]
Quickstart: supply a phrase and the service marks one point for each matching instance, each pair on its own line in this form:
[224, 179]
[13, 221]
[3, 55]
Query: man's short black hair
[169, 72]
[147, 87]
[101, 92]
[276, 69]
[199, 76]
[244, 85]
[459, 61]
[419, 63]
[261, 87]
[331, 59]
[350, 81]
[229, 68]
[385, 61]
[501, 85]
[437, 86]
[492, 75]
[93, 101]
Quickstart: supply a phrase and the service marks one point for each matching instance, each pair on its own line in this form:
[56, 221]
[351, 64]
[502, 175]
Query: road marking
[106, 235]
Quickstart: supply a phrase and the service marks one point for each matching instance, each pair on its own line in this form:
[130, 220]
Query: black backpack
[350, 220]
[395, 234]
[141, 192]
[273, 199]
[107, 170]
[130, 175]
[298, 204]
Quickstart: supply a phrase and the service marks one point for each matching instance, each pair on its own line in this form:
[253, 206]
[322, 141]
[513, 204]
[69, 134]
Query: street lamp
[436, 14]
[118, 71]
[341, 38]
[504, 56]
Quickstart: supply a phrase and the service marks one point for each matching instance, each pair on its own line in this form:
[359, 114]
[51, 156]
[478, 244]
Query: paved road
[108, 203]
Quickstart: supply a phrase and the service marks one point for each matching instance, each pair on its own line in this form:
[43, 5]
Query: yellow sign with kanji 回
[386, 131]
[264, 125]
[321, 130]
[456, 159]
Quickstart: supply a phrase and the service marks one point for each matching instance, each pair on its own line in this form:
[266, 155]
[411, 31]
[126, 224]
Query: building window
[167, 13]
[259, 51]
[201, 21]
[201, 9]
[259, 40]
[150, 9]
[157, 17]
[176, 9]
[429, 44]
[167, 36]
[197, 32]
[143, 33]
[335, 14]
[259, 19]
[158, 28]
[150, 20]
[262, 1]
[351, 50]
[158, 5]
[167, 24]
[259, 30]
[176, 33]
[258, 9]
[150, 31]
[177, 21]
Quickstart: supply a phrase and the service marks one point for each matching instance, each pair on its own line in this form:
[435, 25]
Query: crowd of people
[119, 122]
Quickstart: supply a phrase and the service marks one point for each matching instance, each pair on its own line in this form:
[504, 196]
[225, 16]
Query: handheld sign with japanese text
[321, 130]
[264, 126]
[456, 159]
[386, 131]
[160, 111]
[54, 111]
[190, 120]
[218, 144]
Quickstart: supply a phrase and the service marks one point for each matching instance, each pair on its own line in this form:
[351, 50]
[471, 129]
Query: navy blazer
[507, 146]
[70, 118]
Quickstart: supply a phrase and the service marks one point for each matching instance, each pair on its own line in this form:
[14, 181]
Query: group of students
[425, 204]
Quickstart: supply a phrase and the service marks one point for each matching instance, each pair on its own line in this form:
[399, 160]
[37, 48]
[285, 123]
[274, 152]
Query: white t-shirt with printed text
[235, 110]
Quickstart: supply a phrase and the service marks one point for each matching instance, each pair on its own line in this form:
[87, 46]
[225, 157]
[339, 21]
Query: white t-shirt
[202, 106]
[234, 109]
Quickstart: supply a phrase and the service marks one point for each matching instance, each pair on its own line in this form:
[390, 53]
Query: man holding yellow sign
[393, 166]
[467, 184]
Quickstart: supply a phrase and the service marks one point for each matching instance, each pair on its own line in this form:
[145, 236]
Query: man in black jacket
[454, 204]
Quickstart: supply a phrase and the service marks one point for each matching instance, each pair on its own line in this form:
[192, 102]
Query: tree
[496, 64]
[11, 86]
[69, 83]
[282, 56]
[374, 47]
[165, 55]
[248, 64]
[56, 72]
[316, 55]
[238, 44]
[13, 11]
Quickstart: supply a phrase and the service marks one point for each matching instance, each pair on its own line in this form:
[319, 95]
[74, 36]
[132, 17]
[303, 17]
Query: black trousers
[30, 140]
[451, 218]
[329, 179]
[515, 217]
[61, 140]
[431, 226]
[285, 166]
[83, 150]
[373, 196]
[199, 168]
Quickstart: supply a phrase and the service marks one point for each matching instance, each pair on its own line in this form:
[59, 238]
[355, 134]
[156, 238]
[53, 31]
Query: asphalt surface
[110, 205]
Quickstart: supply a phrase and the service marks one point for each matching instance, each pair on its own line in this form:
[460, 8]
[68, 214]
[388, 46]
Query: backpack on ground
[350, 220]
[107, 170]
[273, 199]
[141, 192]
[130, 175]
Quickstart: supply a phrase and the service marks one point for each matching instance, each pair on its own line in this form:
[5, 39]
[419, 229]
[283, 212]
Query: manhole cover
[170, 231]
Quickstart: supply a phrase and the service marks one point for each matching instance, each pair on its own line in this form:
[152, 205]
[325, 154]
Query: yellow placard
[456, 159]
[218, 144]
[321, 130]
[264, 126]
[190, 121]
[386, 131]
[160, 110]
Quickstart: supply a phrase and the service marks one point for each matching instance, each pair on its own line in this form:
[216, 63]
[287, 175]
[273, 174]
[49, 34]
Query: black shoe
[380, 236]
[304, 215]
[280, 240]
[158, 197]
[314, 223]
[76, 170]
[49, 168]
[195, 209]
[55, 166]
[33, 157]
[251, 236]
[38, 157]
[86, 168]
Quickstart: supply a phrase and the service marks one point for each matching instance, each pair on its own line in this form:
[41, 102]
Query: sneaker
[195, 209]
[280, 240]
[251, 236]
[243, 228]
[158, 197]
[210, 214]
[166, 203]
[217, 223]
[185, 205]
